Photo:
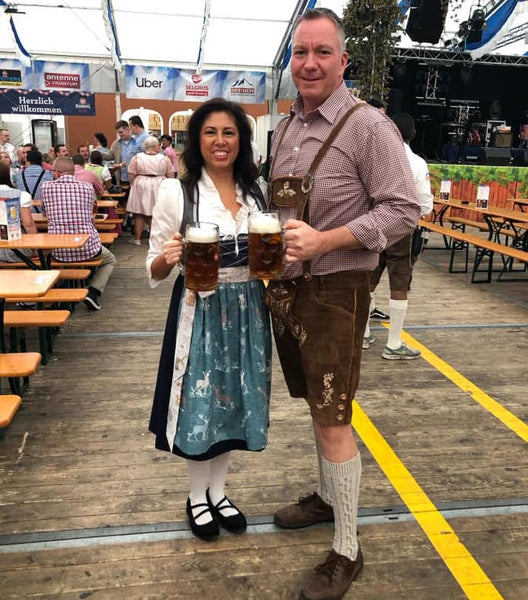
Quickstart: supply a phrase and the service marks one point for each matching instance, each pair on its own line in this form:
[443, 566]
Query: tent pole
[119, 112]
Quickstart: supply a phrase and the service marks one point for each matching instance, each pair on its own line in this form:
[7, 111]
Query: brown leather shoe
[331, 579]
[308, 511]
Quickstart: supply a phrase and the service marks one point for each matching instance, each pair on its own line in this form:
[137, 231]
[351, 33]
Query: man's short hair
[64, 165]
[78, 159]
[120, 124]
[405, 123]
[34, 157]
[322, 13]
[136, 120]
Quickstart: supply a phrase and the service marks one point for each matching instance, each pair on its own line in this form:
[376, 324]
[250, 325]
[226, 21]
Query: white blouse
[168, 213]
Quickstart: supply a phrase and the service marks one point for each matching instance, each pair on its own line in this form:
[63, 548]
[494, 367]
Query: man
[397, 258]
[375, 312]
[5, 145]
[31, 178]
[138, 131]
[61, 151]
[86, 176]
[84, 151]
[21, 153]
[121, 152]
[358, 204]
[68, 204]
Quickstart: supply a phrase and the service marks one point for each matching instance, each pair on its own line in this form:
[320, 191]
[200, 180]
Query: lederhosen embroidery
[289, 191]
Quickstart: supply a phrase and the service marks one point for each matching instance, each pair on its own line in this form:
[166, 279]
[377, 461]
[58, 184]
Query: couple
[212, 392]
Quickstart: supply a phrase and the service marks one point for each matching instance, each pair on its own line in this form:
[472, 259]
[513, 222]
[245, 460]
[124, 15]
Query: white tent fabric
[239, 33]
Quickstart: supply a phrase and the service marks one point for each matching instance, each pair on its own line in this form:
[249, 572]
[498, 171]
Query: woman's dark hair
[167, 138]
[101, 138]
[96, 158]
[5, 175]
[244, 169]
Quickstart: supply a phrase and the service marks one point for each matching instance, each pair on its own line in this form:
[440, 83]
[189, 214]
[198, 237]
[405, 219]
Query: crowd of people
[213, 387]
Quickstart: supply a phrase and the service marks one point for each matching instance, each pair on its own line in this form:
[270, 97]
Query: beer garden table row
[497, 219]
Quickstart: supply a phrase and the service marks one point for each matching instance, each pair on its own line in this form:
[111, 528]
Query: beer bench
[59, 297]
[17, 365]
[484, 249]
[47, 322]
[55, 264]
[108, 238]
[9, 404]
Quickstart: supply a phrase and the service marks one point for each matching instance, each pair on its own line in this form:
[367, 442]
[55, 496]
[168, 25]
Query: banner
[35, 102]
[149, 82]
[239, 86]
[45, 75]
[64, 76]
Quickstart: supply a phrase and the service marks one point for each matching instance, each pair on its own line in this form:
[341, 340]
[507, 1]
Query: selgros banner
[38, 102]
[149, 82]
[247, 87]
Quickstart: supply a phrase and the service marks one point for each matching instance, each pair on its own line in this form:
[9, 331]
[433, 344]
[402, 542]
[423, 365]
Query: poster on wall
[149, 82]
[247, 87]
[36, 102]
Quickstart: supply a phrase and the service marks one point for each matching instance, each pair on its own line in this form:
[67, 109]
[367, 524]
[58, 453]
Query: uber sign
[149, 82]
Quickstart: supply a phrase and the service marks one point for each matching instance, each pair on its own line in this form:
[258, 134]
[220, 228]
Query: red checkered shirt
[364, 182]
[68, 203]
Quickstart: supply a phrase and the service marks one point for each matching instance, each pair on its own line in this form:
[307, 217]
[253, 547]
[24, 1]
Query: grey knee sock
[342, 480]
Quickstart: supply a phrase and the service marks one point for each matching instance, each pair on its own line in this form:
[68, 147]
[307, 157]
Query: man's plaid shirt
[68, 203]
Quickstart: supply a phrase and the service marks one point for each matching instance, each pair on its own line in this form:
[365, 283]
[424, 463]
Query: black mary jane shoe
[207, 531]
[234, 523]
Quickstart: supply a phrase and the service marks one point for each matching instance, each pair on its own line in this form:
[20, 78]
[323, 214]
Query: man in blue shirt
[31, 178]
[138, 131]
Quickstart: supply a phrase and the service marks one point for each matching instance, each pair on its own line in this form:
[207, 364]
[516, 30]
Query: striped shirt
[364, 182]
[68, 203]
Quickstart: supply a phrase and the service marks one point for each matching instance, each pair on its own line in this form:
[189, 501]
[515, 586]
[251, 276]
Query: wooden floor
[89, 509]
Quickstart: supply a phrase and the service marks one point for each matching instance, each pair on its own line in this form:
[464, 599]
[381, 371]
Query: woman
[146, 172]
[223, 375]
[95, 164]
[28, 226]
[5, 158]
[100, 142]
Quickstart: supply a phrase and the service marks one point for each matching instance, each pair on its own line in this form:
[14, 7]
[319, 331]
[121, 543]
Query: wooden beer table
[22, 282]
[43, 242]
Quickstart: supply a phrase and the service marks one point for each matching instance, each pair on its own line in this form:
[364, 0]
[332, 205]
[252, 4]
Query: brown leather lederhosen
[288, 191]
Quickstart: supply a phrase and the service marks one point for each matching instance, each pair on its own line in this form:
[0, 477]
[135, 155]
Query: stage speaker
[395, 102]
[426, 21]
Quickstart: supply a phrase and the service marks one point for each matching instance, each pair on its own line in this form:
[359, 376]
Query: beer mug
[265, 244]
[202, 251]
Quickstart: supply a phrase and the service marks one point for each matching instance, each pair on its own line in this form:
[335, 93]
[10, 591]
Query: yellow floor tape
[466, 570]
[497, 410]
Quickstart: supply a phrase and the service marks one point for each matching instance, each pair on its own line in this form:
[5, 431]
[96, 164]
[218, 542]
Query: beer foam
[202, 235]
[264, 223]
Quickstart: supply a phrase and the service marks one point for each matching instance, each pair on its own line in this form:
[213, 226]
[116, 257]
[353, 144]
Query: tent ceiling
[241, 33]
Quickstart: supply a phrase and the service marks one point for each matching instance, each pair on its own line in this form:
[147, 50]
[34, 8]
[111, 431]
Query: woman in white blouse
[212, 393]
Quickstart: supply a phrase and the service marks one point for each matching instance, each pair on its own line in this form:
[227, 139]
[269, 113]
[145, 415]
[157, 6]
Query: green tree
[371, 27]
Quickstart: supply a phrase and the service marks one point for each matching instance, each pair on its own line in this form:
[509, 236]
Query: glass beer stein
[202, 253]
[265, 244]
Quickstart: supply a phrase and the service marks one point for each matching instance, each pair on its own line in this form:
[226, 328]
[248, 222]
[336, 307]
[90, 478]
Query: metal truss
[451, 57]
